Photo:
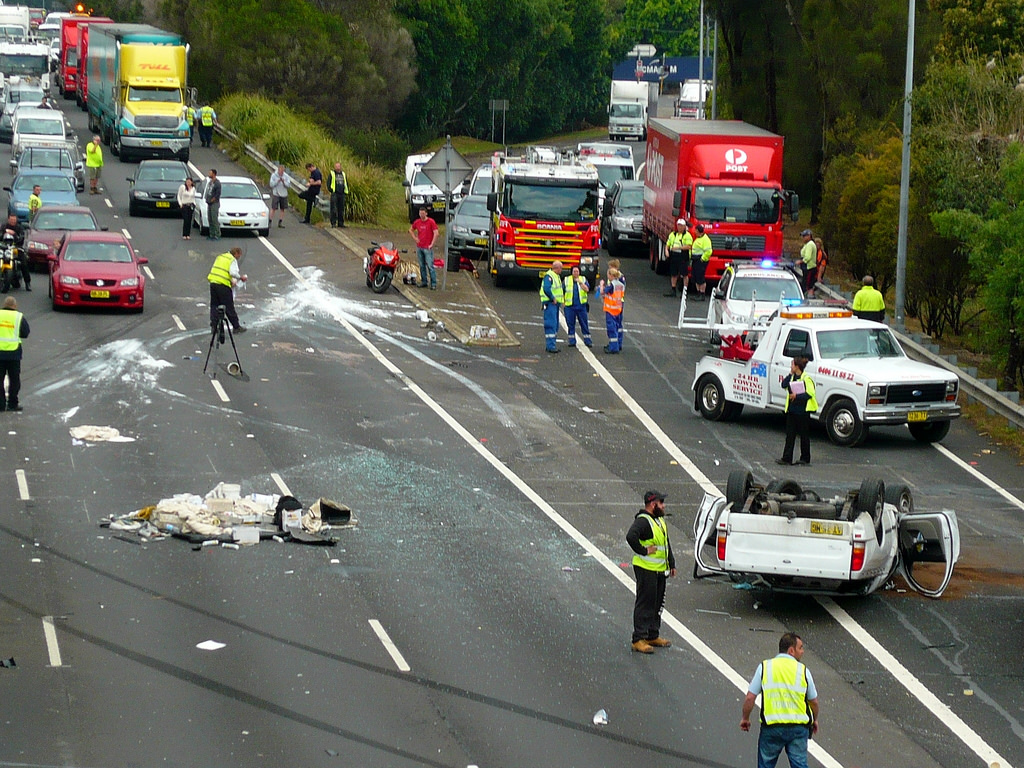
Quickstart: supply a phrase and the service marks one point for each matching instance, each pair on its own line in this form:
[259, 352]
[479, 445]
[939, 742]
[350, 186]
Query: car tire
[929, 432]
[612, 247]
[198, 220]
[738, 487]
[132, 210]
[843, 424]
[788, 487]
[711, 398]
[901, 498]
[870, 499]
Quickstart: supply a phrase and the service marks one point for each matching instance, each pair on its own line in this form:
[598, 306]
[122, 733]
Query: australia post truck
[82, 85]
[138, 77]
[724, 174]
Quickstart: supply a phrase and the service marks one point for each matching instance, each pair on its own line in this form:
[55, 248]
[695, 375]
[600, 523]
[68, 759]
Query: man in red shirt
[424, 232]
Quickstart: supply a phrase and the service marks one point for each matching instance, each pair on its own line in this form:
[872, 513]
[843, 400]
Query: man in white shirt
[279, 181]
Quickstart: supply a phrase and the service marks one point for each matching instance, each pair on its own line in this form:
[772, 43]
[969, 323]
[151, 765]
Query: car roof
[234, 179]
[29, 111]
[98, 236]
[68, 209]
[751, 270]
[174, 163]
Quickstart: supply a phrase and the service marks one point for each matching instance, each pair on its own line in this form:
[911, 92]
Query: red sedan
[97, 269]
[51, 223]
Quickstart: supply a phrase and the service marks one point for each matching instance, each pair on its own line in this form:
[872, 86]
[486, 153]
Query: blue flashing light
[767, 264]
[787, 302]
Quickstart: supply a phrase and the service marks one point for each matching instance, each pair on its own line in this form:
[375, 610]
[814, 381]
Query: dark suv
[622, 217]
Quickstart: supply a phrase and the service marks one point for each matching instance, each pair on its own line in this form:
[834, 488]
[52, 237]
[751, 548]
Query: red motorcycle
[380, 265]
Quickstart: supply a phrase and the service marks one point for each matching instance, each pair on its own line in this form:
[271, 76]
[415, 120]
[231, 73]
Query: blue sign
[677, 69]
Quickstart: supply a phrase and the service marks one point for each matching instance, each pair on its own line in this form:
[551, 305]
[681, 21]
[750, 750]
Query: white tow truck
[862, 377]
[788, 539]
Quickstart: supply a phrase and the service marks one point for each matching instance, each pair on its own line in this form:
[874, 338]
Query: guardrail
[996, 402]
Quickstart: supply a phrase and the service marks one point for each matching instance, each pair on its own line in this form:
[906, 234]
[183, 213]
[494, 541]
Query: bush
[381, 146]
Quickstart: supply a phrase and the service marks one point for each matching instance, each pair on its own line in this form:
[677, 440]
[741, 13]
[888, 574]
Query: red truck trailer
[67, 64]
[724, 174]
[82, 86]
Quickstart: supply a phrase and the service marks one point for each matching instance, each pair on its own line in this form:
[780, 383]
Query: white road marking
[220, 391]
[917, 689]
[126, 233]
[177, 322]
[22, 484]
[107, 201]
[148, 272]
[980, 477]
[52, 648]
[281, 486]
[389, 646]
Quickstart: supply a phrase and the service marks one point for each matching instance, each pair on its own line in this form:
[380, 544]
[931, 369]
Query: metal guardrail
[974, 388]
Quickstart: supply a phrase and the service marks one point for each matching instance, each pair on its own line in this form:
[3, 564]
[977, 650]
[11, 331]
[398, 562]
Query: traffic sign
[447, 168]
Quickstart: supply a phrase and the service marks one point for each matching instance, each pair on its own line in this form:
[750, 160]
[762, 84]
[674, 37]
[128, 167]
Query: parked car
[17, 92]
[749, 293]
[32, 157]
[622, 217]
[57, 189]
[242, 206]
[34, 125]
[467, 232]
[47, 229]
[97, 269]
[155, 186]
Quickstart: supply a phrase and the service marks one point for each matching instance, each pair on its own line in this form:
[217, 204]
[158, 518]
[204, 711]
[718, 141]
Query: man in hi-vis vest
[789, 705]
[13, 328]
[652, 564]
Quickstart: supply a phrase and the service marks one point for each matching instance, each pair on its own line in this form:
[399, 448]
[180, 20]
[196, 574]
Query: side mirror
[52, 258]
[492, 202]
[677, 202]
[794, 206]
[9, 190]
[406, 183]
[142, 260]
[266, 196]
[129, 179]
[104, 228]
[718, 293]
[14, 166]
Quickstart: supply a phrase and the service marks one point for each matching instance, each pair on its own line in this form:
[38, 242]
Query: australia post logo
[735, 160]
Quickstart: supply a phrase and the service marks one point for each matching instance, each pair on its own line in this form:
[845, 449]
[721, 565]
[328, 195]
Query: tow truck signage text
[835, 374]
[747, 388]
[735, 160]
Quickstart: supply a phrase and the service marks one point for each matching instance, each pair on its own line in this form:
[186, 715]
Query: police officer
[577, 306]
[653, 562]
[700, 255]
[809, 260]
[337, 186]
[800, 404]
[13, 328]
[677, 251]
[206, 118]
[35, 202]
[223, 278]
[190, 118]
[789, 705]
[868, 302]
[551, 298]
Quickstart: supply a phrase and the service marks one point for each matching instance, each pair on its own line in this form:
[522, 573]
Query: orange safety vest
[613, 299]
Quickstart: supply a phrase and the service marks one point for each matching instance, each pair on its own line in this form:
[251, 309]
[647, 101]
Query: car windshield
[421, 180]
[631, 198]
[167, 95]
[28, 95]
[24, 64]
[160, 172]
[117, 253]
[240, 191]
[46, 183]
[625, 110]
[748, 205]
[541, 201]
[37, 157]
[481, 184]
[609, 174]
[858, 342]
[472, 206]
[72, 57]
[72, 221]
[767, 289]
[40, 126]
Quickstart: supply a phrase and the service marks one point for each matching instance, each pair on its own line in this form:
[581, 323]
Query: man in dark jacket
[13, 328]
[18, 233]
[652, 564]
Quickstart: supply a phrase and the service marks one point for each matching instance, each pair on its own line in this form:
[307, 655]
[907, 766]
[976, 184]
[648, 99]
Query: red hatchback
[97, 269]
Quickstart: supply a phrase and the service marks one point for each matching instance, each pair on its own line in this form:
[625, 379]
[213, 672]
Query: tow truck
[861, 374]
[782, 537]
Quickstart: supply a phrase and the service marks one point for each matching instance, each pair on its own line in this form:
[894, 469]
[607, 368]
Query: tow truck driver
[18, 233]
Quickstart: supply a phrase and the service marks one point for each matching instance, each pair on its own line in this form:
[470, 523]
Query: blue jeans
[426, 257]
[772, 739]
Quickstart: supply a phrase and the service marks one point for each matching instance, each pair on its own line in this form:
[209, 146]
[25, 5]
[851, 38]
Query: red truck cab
[82, 85]
[67, 64]
[724, 174]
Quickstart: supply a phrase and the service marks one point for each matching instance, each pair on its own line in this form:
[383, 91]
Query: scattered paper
[600, 717]
[94, 434]
[210, 645]
[588, 409]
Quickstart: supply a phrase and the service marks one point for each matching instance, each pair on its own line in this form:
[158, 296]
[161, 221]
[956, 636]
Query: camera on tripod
[218, 337]
[218, 330]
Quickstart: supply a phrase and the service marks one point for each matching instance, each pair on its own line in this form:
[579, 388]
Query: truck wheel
[710, 398]
[738, 487]
[843, 424]
[788, 487]
[870, 498]
[612, 248]
[929, 432]
[901, 498]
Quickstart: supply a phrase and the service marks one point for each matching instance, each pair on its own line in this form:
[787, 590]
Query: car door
[705, 539]
[200, 209]
[929, 537]
[795, 342]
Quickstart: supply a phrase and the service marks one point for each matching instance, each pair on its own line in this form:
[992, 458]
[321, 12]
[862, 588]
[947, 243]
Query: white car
[243, 205]
[750, 293]
[782, 537]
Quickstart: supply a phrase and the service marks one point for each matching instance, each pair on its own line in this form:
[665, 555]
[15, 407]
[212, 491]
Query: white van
[40, 127]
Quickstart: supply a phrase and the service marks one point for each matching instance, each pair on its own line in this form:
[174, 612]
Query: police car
[749, 294]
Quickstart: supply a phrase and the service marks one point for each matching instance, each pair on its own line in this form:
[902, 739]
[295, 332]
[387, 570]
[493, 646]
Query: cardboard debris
[92, 434]
[227, 518]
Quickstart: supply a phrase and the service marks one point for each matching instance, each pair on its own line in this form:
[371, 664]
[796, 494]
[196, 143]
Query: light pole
[901, 235]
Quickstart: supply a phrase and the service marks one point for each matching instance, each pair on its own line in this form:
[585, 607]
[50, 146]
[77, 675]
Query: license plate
[439, 205]
[163, 205]
[481, 241]
[237, 223]
[156, 143]
[99, 294]
[917, 416]
[827, 529]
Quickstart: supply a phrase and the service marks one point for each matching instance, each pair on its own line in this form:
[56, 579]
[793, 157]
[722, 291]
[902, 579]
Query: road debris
[210, 645]
[88, 433]
[600, 717]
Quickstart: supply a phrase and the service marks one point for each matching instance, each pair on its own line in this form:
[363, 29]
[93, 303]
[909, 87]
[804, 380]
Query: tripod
[217, 337]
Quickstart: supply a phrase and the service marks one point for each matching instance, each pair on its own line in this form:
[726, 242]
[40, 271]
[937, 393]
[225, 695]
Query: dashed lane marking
[52, 648]
[22, 484]
[148, 272]
[177, 322]
[220, 391]
[390, 647]
[107, 201]
[281, 486]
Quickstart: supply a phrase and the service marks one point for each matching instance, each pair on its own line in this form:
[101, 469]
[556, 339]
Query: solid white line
[50, 633]
[148, 272]
[177, 322]
[22, 484]
[978, 476]
[220, 391]
[389, 646]
[903, 676]
[126, 233]
[280, 484]
[107, 201]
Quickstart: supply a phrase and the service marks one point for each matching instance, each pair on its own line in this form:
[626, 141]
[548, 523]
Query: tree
[673, 26]
[985, 27]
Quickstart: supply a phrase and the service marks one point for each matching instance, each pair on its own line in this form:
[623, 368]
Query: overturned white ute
[783, 537]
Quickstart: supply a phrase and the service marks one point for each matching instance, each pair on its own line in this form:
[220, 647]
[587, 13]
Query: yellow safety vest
[679, 241]
[869, 299]
[34, 204]
[812, 403]
[10, 330]
[784, 692]
[702, 247]
[220, 273]
[556, 287]
[659, 560]
[332, 182]
[567, 293]
[190, 116]
[206, 116]
[93, 155]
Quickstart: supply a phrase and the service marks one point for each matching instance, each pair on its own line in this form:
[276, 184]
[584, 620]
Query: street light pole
[901, 242]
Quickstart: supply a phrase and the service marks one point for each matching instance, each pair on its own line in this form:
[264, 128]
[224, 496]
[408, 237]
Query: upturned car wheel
[901, 498]
[870, 499]
[787, 487]
[738, 487]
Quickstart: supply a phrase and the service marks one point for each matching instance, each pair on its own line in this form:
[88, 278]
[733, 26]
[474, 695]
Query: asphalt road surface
[480, 613]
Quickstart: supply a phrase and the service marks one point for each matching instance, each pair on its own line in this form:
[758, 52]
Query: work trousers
[214, 213]
[810, 278]
[798, 424]
[550, 325]
[338, 209]
[650, 597]
[11, 369]
[578, 312]
[206, 135]
[772, 739]
[222, 294]
[613, 324]
[310, 194]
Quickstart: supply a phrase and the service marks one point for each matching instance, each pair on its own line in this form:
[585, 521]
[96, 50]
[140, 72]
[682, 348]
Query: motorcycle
[380, 264]
[10, 264]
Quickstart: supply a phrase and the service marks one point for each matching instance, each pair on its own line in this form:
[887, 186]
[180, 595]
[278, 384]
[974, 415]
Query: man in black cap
[809, 260]
[652, 564]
